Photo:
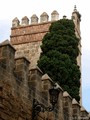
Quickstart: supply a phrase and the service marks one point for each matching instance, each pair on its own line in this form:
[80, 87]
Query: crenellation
[11, 102]
[22, 68]
[44, 17]
[75, 109]
[15, 22]
[25, 21]
[47, 82]
[60, 114]
[34, 82]
[67, 105]
[7, 53]
[54, 16]
[84, 114]
[34, 19]
[19, 97]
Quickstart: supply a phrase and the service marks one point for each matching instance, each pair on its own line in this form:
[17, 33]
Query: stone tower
[27, 38]
[77, 18]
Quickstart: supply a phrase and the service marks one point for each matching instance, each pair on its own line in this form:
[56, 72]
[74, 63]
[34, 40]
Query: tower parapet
[44, 17]
[34, 19]
[76, 19]
[54, 15]
[25, 21]
[15, 22]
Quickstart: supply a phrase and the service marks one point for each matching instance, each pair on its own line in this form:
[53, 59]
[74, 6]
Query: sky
[9, 9]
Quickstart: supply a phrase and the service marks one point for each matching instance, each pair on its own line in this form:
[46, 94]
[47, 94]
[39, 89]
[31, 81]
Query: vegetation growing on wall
[58, 58]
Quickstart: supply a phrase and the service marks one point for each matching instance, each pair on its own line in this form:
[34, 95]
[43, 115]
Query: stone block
[75, 109]
[54, 15]
[15, 22]
[67, 105]
[34, 19]
[25, 21]
[44, 17]
[7, 53]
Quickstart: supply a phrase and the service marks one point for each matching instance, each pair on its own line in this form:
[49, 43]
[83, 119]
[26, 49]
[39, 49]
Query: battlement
[19, 85]
[44, 17]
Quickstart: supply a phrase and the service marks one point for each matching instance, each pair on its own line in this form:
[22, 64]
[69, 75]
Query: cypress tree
[59, 53]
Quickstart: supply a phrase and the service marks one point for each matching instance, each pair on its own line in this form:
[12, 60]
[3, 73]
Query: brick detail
[31, 33]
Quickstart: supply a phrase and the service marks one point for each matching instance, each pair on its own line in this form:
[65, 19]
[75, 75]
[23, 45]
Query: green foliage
[58, 57]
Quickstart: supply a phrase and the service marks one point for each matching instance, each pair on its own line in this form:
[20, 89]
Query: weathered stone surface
[25, 21]
[29, 50]
[44, 17]
[15, 22]
[75, 109]
[34, 19]
[67, 105]
[54, 15]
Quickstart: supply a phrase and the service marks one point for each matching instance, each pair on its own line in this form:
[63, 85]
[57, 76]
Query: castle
[27, 39]
[21, 80]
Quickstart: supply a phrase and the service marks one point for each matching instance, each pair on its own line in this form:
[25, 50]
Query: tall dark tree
[58, 58]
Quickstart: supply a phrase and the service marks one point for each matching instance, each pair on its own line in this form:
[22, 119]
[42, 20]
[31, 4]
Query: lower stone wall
[12, 106]
[19, 86]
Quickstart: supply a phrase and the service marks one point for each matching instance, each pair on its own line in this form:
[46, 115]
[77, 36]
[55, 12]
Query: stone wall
[20, 86]
[14, 104]
[29, 50]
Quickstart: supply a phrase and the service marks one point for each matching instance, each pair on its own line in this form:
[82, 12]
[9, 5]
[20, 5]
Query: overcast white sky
[9, 9]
